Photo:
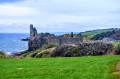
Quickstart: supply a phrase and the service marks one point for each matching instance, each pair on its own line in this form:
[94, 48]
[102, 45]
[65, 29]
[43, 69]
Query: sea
[11, 42]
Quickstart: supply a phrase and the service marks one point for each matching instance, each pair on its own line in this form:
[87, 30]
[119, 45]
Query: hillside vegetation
[2, 54]
[102, 35]
[94, 67]
[39, 50]
[95, 32]
[90, 34]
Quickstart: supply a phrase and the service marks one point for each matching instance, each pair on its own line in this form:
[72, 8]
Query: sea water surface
[11, 42]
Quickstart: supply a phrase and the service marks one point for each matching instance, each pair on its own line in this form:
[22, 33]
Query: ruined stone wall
[63, 40]
[37, 40]
[71, 40]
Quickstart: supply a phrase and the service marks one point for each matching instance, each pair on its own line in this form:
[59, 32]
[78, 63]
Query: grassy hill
[95, 32]
[91, 67]
[89, 34]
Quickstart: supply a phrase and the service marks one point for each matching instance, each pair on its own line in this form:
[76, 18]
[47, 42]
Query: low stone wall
[39, 41]
[62, 40]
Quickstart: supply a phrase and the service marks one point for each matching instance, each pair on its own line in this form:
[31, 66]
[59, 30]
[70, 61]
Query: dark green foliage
[117, 50]
[63, 51]
[28, 53]
[102, 35]
[76, 51]
[95, 32]
[2, 54]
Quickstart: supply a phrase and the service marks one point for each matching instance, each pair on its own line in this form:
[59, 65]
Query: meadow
[89, 67]
[116, 43]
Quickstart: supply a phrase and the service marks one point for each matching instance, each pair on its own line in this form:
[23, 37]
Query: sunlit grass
[116, 43]
[91, 67]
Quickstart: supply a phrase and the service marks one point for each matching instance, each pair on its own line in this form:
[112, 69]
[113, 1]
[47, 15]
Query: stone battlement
[38, 39]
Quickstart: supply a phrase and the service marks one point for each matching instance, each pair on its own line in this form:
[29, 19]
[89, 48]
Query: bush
[2, 54]
[117, 50]
[76, 51]
[63, 51]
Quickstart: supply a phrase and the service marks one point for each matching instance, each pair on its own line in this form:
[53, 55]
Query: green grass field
[116, 43]
[95, 32]
[91, 67]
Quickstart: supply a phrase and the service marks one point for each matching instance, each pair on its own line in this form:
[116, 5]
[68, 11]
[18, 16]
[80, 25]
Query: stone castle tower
[33, 31]
[39, 39]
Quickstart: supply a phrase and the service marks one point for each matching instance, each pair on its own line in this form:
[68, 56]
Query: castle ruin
[39, 39]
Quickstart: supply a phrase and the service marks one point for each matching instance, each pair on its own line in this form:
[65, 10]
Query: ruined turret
[33, 31]
[71, 35]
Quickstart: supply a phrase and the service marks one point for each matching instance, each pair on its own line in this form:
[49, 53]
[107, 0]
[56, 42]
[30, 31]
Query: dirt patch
[33, 55]
[118, 68]
[50, 50]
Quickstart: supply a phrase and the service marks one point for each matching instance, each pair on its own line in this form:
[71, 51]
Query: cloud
[8, 10]
[61, 15]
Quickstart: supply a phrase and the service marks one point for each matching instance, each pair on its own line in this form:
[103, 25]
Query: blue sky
[58, 15]
[9, 1]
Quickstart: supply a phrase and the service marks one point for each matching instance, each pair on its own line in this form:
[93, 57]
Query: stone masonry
[37, 40]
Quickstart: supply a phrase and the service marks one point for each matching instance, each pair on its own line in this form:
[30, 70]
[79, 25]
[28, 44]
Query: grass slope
[95, 32]
[42, 48]
[89, 35]
[91, 67]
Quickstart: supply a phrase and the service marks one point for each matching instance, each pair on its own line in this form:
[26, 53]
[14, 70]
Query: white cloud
[8, 10]
[58, 14]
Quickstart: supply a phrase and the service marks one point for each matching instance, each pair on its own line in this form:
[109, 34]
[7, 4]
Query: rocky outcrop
[83, 49]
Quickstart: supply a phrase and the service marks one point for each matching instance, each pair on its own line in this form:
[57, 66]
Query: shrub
[2, 54]
[76, 50]
[117, 50]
